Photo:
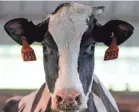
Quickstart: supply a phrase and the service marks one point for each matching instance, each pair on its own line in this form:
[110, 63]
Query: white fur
[90, 89]
[99, 104]
[67, 27]
[108, 94]
[27, 101]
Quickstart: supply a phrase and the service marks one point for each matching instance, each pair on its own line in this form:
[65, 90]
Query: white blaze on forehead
[67, 27]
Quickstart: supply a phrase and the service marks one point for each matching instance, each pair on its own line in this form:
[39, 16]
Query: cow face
[68, 37]
[68, 49]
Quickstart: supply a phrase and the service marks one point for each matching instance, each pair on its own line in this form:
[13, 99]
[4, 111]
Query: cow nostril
[77, 99]
[59, 98]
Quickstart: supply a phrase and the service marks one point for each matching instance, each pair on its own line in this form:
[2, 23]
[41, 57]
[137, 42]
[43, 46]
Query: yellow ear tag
[113, 51]
[27, 52]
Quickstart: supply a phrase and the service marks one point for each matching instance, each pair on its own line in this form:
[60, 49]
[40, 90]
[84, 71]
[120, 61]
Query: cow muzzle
[66, 100]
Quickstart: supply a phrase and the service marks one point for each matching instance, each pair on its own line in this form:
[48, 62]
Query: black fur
[23, 27]
[50, 60]
[11, 106]
[103, 33]
[86, 61]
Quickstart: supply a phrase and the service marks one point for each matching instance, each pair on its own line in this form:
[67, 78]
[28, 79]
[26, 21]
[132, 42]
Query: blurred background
[120, 76]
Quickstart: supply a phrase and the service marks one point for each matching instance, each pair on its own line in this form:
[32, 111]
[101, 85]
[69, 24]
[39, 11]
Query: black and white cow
[68, 37]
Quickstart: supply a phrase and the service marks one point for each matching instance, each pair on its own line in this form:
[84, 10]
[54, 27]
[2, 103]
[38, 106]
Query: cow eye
[90, 49]
[46, 49]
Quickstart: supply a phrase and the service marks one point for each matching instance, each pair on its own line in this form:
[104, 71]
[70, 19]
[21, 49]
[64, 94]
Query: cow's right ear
[119, 29]
[18, 27]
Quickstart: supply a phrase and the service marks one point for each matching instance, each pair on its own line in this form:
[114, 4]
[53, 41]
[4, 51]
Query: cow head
[68, 37]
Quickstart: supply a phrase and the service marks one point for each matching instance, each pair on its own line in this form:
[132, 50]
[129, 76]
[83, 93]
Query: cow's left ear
[25, 32]
[119, 29]
[18, 27]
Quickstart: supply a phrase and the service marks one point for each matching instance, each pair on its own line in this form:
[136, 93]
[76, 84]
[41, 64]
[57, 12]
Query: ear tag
[112, 52]
[27, 52]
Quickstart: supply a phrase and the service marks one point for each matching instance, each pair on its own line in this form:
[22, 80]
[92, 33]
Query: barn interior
[120, 76]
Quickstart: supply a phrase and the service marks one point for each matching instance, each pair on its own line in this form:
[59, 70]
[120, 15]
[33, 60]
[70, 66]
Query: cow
[68, 37]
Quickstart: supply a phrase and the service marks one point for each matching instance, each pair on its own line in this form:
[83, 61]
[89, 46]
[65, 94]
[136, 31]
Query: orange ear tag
[27, 52]
[112, 52]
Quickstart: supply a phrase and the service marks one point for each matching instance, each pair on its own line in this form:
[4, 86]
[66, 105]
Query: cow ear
[18, 27]
[119, 29]
[24, 32]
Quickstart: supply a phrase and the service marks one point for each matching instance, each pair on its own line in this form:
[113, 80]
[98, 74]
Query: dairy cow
[68, 37]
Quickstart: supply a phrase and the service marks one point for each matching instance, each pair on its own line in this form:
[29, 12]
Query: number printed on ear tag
[112, 52]
[27, 52]
[28, 55]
